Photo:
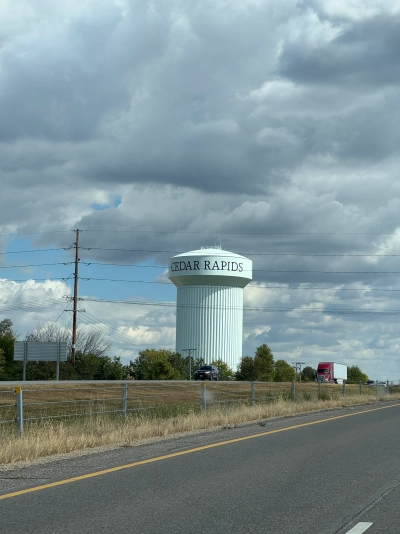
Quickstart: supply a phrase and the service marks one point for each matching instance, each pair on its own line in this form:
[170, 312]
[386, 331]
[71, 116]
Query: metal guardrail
[39, 401]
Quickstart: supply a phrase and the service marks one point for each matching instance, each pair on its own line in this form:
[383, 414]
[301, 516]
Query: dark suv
[207, 372]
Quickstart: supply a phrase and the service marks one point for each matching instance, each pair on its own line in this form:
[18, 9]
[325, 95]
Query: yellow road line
[181, 453]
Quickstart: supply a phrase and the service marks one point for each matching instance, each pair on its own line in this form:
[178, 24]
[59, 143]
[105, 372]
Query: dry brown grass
[55, 436]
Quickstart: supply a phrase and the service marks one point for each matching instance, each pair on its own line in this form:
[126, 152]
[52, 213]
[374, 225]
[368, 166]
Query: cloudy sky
[271, 128]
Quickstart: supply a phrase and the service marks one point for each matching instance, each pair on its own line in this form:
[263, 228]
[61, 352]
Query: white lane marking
[360, 528]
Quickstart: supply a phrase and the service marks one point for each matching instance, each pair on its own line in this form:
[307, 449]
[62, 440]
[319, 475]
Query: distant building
[209, 315]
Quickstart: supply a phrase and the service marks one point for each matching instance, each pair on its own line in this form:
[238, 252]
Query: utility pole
[75, 308]
[297, 367]
[189, 351]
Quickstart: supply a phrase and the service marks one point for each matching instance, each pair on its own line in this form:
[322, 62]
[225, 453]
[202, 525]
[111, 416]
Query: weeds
[44, 438]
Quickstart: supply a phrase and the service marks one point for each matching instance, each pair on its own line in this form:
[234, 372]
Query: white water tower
[209, 315]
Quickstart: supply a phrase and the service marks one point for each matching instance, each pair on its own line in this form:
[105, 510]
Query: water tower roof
[210, 251]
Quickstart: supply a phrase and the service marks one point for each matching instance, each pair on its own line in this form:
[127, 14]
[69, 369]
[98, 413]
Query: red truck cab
[325, 372]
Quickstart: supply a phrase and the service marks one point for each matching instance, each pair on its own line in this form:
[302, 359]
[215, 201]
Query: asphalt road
[333, 472]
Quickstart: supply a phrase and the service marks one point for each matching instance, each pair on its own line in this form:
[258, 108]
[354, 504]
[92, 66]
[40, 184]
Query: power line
[124, 265]
[133, 250]
[87, 264]
[312, 288]
[84, 279]
[51, 279]
[294, 271]
[267, 254]
[36, 233]
[64, 310]
[35, 265]
[327, 311]
[304, 254]
[250, 286]
[33, 250]
[181, 232]
[300, 254]
[29, 305]
[173, 232]
[90, 320]
[249, 270]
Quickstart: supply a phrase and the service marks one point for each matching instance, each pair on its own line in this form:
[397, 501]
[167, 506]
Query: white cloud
[356, 10]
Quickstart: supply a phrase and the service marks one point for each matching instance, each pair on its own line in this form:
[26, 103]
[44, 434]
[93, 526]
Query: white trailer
[339, 373]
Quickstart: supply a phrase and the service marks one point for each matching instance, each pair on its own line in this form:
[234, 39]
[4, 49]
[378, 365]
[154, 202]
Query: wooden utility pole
[75, 308]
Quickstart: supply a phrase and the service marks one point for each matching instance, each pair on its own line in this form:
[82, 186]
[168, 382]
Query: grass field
[154, 410]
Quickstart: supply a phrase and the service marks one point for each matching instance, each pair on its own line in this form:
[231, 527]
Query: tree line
[93, 362]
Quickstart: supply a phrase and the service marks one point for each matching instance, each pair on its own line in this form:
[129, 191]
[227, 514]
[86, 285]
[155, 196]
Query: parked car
[207, 372]
[370, 383]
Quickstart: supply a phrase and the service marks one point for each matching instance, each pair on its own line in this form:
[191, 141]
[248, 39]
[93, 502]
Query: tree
[91, 362]
[2, 361]
[7, 338]
[91, 341]
[308, 374]
[225, 372]
[180, 364]
[264, 363]
[354, 375]
[284, 372]
[95, 367]
[88, 340]
[10, 370]
[246, 369]
[152, 364]
[6, 327]
[49, 332]
[42, 370]
[260, 368]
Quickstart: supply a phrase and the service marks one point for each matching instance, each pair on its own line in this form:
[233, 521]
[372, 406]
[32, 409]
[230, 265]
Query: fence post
[319, 388]
[124, 401]
[344, 388]
[253, 393]
[360, 383]
[204, 396]
[20, 417]
[293, 390]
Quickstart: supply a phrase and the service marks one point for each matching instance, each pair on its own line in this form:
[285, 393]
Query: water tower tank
[209, 315]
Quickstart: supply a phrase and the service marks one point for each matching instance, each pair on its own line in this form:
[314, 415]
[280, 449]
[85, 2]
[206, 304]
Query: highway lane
[301, 475]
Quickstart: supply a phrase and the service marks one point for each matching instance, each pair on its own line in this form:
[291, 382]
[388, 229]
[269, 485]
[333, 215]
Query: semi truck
[332, 372]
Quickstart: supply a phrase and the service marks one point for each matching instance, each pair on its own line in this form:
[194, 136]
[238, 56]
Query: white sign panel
[37, 351]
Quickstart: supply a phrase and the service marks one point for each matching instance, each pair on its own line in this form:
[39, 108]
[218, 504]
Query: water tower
[209, 315]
